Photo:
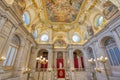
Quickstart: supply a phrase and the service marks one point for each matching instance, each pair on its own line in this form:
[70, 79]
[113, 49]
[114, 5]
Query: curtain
[82, 62]
[75, 63]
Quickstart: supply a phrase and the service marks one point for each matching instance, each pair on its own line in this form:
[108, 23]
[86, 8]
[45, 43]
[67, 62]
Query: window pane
[44, 37]
[7, 54]
[109, 56]
[14, 57]
[26, 18]
[76, 38]
[113, 57]
[15, 40]
[35, 34]
[11, 57]
[117, 52]
[100, 21]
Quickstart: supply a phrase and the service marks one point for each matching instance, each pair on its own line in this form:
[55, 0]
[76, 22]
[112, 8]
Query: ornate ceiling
[62, 11]
[61, 20]
[58, 14]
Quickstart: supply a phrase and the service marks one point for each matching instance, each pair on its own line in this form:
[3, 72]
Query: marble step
[114, 78]
[116, 74]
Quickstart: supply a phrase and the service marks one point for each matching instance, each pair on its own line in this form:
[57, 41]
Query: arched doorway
[78, 59]
[44, 54]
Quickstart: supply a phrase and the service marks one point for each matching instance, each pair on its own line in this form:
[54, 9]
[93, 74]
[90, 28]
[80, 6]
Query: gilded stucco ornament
[61, 16]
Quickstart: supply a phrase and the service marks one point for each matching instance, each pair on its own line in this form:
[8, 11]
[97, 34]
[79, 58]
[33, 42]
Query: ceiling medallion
[62, 11]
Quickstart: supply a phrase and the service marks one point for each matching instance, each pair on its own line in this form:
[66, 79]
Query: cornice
[17, 22]
[10, 9]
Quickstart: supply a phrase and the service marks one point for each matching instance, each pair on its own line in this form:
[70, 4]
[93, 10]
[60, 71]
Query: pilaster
[71, 57]
[50, 58]
[117, 39]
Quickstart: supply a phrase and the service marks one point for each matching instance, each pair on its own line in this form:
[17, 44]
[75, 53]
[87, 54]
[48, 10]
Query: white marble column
[51, 37]
[85, 57]
[55, 57]
[22, 56]
[28, 55]
[71, 61]
[50, 58]
[50, 64]
[25, 54]
[64, 59]
[97, 51]
[71, 58]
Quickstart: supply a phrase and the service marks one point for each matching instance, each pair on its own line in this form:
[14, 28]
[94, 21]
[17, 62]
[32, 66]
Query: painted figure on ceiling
[62, 10]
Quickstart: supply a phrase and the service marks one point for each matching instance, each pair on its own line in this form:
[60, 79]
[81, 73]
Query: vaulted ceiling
[64, 21]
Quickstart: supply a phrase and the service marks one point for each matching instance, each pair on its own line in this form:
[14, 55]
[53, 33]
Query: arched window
[35, 33]
[99, 21]
[112, 51]
[12, 51]
[76, 38]
[26, 18]
[44, 37]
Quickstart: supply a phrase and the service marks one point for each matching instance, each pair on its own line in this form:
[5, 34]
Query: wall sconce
[98, 70]
[92, 61]
[102, 59]
[27, 70]
[2, 59]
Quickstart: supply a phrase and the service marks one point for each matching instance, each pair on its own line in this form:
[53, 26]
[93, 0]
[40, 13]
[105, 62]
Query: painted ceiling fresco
[62, 10]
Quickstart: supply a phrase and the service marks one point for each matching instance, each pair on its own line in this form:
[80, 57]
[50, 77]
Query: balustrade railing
[68, 72]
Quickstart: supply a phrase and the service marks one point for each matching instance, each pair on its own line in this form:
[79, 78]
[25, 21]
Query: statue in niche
[2, 20]
[90, 31]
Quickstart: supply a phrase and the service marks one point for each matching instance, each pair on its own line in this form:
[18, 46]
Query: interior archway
[43, 53]
[78, 60]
